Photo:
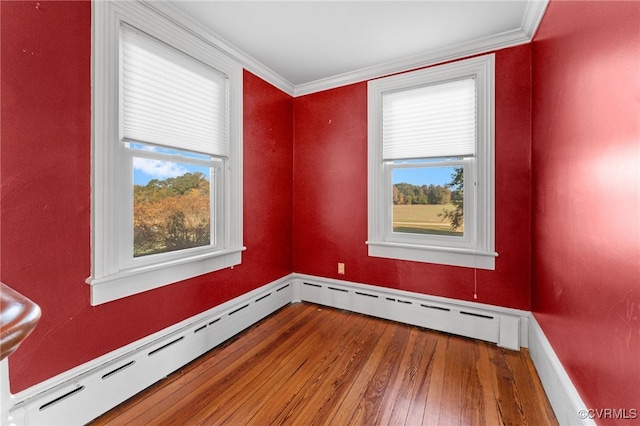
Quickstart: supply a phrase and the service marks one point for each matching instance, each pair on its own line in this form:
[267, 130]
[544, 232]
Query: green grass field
[422, 219]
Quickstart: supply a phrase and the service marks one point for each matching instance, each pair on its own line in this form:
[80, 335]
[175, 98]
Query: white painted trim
[6, 399]
[223, 45]
[562, 394]
[135, 369]
[477, 248]
[440, 255]
[114, 272]
[464, 50]
[504, 326]
[532, 17]
[524, 34]
[119, 285]
[99, 385]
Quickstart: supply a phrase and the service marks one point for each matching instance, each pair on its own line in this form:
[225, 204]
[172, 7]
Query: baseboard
[563, 396]
[504, 326]
[6, 399]
[89, 390]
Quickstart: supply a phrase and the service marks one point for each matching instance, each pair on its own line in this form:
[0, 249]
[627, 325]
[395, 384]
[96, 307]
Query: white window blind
[432, 121]
[170, 98]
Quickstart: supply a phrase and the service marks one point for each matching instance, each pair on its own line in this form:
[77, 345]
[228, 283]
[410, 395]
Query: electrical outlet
[341, 268]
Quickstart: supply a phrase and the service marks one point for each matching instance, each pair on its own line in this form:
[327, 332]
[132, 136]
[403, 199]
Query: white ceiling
[308, 45]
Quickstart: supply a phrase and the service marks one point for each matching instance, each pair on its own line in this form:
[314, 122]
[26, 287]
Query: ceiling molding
[249, 63]
[524, 34]
[533, 16]
[530, 23]
[459, 51]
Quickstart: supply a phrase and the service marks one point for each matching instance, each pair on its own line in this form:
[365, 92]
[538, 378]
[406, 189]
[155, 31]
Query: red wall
[586, 195]
[584, 206]
[46, 170]
[330, 194]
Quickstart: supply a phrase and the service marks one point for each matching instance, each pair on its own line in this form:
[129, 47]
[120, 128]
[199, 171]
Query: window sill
[134, 281]
[430, 254]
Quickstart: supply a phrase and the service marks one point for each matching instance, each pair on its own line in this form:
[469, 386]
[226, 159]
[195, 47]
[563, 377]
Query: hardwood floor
[308, 364]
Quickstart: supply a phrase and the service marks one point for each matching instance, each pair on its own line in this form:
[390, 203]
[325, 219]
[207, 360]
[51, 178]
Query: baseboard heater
[85, 392]
[492, 324]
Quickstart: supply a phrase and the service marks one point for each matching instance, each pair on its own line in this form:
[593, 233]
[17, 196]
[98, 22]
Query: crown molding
[533, 16]
[459, 51]
[529, 25]
[524, 34]
[249, 63]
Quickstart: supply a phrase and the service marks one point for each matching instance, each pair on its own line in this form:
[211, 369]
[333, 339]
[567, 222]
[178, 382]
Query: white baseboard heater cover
[85, 392]
[82, 394]
[491, 324]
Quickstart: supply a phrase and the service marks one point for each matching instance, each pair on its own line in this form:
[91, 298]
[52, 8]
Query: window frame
[216, 201]
[112, 276]
[477, 249]
[410, 238]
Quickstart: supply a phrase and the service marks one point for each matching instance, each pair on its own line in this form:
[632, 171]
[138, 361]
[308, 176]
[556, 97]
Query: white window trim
[479, 251]
[109, 280]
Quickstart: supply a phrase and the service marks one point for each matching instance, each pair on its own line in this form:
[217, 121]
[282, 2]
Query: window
[167, 153]
[431, 165]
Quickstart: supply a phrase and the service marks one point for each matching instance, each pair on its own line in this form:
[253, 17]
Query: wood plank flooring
[312, 365]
